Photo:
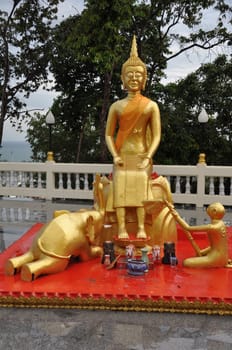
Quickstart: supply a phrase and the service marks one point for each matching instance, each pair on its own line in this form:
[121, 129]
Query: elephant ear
[90, 234]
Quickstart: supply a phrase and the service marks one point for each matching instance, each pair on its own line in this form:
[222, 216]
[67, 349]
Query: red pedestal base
[91, 285]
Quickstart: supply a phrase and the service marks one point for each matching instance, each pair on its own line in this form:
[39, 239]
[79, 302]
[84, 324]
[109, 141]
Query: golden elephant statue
[68, 234]
[160, 225]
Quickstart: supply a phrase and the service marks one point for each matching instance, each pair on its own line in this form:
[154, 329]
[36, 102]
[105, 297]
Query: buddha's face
[133, 78]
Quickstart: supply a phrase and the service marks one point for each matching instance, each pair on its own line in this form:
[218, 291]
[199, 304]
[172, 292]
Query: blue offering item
[136, 267]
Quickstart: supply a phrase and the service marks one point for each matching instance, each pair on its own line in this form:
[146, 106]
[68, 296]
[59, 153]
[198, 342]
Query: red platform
[90, 285]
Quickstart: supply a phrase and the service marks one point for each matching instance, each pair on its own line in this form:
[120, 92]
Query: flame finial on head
[134, 60]
[134, 51]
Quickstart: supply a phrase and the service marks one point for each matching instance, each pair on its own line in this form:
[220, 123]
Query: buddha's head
[134, 65]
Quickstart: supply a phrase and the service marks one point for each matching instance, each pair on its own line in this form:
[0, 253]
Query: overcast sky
[177, 68]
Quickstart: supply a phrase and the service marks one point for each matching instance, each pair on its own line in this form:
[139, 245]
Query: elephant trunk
[49, 253]
[99, 195]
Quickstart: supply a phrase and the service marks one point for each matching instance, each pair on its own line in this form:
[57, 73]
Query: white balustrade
[197, 185]
[188, 186]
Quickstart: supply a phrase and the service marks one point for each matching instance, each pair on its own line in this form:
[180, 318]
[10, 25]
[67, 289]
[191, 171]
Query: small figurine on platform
[216, 255]
[108, 250]
[130, 251]
[169, 252]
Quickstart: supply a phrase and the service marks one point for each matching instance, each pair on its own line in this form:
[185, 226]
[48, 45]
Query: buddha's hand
[144, 163]
[118, 161]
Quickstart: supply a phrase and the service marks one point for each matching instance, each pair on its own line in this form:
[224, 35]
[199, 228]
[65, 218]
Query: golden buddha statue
[137, 119]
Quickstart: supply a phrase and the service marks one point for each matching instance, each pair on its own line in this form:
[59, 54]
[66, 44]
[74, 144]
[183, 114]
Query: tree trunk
[77, 160]
[1, 125]
[4, 99]
[103, 115]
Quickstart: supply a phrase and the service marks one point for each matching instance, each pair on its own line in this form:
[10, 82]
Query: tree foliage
[66, 137]
[25, 49]
[90, 48]
[183, 136]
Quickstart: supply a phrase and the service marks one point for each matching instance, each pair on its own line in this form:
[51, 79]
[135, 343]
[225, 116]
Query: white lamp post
[50, 121]
[203, 116]
[202, 119]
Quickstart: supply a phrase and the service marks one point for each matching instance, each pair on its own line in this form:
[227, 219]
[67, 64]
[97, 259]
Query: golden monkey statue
[137, 119]
[216, 255]
[68, 234]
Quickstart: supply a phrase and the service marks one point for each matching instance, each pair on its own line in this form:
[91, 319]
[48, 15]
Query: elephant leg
[43, 266]
[14, 265]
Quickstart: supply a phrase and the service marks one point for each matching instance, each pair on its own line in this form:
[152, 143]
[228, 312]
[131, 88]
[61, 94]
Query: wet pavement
[56, 329]
[9, 233]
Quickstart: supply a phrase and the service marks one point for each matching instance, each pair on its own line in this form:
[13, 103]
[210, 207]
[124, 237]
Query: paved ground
[56, 329]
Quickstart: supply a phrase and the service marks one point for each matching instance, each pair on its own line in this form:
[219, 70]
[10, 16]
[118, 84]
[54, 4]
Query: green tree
[79, 104]
[183, 136]
[25, 49]
[90, 48]
[66, 138]
[87, 53]
[38, 137]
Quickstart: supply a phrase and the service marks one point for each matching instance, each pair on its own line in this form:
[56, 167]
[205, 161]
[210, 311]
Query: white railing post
[201, 167]
[50, 180]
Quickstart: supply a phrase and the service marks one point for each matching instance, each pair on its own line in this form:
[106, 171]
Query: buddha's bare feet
[122, 234]
[141, 234]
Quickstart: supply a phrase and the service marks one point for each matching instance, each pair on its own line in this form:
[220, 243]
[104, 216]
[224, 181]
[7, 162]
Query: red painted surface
[92, 279]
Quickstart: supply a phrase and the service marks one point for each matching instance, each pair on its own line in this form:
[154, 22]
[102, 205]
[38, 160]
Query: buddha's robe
[131, 184]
